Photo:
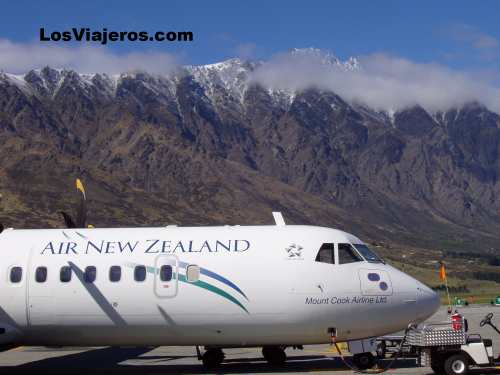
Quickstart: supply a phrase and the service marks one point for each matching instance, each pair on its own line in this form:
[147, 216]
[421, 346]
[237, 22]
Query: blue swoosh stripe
[216, 276]
[199, 283]
[213, 289]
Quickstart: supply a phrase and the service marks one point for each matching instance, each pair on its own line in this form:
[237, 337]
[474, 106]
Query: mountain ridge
[209, 146]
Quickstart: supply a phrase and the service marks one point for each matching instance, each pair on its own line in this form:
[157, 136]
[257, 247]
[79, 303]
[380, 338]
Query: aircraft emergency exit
[226, 286]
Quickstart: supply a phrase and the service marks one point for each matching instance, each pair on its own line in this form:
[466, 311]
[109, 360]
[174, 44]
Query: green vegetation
[473, 277]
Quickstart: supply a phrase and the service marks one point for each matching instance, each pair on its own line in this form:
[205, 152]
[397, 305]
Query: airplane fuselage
[214, 286]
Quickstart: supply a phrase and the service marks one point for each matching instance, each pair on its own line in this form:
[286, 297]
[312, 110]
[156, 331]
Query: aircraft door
[166, 276]
[40, 300]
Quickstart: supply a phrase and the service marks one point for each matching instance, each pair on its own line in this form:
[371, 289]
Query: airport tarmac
[182, 360]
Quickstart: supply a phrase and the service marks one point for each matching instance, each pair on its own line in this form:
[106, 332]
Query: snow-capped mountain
[233, 76]
[209, 144]
[327, 58]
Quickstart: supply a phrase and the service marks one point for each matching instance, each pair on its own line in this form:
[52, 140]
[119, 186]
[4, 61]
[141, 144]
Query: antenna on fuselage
[278, 219]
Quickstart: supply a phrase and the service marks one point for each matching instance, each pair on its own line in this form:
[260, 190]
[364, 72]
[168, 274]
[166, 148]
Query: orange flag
[442, 272]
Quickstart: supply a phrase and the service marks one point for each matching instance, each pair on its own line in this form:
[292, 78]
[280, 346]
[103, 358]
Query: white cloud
[483, 46]
[383, 82]
[472, 36]
[21, 57]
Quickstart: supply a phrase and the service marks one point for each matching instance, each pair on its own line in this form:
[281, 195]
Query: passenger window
[166, 273]
[16, 274]
[192, 273]
[326, 254]
[347, 254]
[41, 274]
[140, 273]
[115, 273]
[65, 274]
[90, 274]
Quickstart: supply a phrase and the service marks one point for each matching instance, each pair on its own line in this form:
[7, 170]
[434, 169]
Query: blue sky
[438, 54]
[463, 35]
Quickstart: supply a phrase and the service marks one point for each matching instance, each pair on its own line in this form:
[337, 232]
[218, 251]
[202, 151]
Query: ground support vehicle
[448, 349]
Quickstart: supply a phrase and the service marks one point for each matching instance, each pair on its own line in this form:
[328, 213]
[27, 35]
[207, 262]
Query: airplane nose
[427, 302]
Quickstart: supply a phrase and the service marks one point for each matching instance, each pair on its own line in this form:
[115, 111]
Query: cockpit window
[326, 254]
[369, 255]
[347, 254]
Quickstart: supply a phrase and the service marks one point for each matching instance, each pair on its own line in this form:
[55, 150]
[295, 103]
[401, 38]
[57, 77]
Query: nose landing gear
[363, 361]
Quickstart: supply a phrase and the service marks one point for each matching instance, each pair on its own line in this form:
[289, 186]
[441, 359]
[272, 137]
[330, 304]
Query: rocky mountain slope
[207, 146]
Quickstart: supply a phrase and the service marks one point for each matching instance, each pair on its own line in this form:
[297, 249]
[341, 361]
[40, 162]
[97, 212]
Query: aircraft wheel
[456, 364]
[274, 355]
[363, 361]
[212, 358]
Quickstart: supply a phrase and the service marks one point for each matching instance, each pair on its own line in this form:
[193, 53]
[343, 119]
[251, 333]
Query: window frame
[353, 250]
[46, 274]
[119, 274]
[11, 270]
[61, 274]
[141, 266]
[160, 273]
[333, 251]
[88, 272]
[187, 273]
[373, 253]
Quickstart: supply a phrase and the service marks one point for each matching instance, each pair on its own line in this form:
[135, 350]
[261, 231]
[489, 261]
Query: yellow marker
[80, 187]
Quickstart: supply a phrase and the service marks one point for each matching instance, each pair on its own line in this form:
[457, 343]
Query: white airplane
[219, 287]
[230, 286]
